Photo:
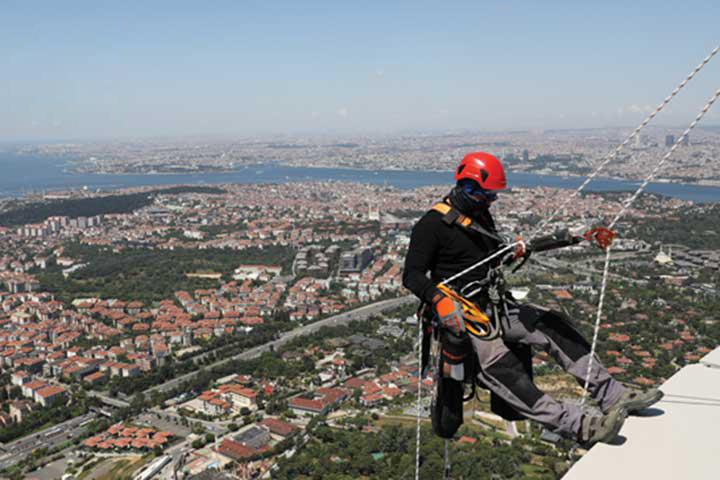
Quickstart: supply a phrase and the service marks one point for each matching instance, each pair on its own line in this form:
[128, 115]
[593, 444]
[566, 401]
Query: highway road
[115, 402]
[49, 438]
[342, 318]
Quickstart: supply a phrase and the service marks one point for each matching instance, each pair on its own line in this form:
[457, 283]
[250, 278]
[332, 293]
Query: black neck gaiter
[477, 210]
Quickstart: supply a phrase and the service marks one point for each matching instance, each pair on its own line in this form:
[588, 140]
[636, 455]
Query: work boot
[604, 428]
[633, 399]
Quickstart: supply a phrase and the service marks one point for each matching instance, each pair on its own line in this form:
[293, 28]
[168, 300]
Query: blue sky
[83, 70]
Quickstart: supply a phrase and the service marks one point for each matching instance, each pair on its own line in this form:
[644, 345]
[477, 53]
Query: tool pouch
[456, 354]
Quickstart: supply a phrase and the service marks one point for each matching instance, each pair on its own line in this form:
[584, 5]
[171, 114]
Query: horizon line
[336, 134]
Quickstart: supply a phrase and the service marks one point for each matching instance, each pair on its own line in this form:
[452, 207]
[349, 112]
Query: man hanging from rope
[453, 236]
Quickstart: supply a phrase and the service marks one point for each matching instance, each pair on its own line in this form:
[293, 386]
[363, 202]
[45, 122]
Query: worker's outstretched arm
[420, 258]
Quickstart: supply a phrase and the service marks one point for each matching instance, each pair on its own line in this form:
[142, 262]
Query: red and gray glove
[449, 313]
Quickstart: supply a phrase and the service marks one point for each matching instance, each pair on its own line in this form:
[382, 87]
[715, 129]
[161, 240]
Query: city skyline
[86, 71]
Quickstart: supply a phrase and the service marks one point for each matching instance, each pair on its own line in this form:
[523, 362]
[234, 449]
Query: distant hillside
[38, 212]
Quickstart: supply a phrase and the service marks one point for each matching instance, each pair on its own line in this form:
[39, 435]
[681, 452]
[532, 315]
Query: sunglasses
[477, 191]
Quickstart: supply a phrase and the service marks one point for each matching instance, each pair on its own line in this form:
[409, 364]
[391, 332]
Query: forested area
[267, 365]
[38, 212]
[696, 227]
[390, 453]
[150, 275]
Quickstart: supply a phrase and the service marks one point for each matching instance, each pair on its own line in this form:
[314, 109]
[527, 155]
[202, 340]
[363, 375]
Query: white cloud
[633, 109]
[343, 112]
[638, 108]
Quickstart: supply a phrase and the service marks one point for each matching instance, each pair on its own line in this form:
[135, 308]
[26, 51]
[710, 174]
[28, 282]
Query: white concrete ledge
[675, 439]
[712, 359]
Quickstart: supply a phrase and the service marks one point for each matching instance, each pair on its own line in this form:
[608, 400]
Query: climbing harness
[451, 216]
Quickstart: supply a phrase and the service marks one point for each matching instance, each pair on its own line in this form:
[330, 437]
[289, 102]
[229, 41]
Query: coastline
[564, 175]
[32, 175]
[71, 165]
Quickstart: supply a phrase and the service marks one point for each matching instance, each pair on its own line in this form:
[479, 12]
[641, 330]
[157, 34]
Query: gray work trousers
[502, 371]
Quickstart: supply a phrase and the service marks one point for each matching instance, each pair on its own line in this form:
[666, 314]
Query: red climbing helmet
[484, 169]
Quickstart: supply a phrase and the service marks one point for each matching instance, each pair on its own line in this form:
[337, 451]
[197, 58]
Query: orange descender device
[476, 322]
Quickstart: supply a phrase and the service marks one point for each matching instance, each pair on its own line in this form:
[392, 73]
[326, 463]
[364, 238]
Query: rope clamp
[520, 249]
[602, 236]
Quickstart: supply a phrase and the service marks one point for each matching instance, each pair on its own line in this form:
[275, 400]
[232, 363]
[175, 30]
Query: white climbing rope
[446, 467]
[617, 217]
[596, 330]
[419, 399]
[620, 147]
[482, 262]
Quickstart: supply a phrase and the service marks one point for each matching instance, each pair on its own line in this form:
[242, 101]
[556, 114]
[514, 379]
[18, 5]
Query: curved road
[342, 318]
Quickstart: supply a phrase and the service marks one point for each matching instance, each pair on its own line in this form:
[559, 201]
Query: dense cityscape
[248, 331]
[555, 152]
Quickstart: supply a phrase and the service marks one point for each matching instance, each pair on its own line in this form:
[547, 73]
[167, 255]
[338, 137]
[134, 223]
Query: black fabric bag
[446, 410]
[447, 405]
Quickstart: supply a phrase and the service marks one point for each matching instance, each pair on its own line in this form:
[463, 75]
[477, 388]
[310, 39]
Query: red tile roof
[234, 450]
[50, 391]
[307, 404]
[278, 426]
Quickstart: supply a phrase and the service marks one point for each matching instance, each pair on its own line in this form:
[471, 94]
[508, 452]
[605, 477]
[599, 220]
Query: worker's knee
[561, 332]
[509, 371]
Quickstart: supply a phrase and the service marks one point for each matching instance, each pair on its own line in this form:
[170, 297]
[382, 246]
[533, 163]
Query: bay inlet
[25, 174]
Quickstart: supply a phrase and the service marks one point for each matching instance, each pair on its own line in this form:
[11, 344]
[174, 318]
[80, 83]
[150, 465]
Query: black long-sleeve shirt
[443, 250]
